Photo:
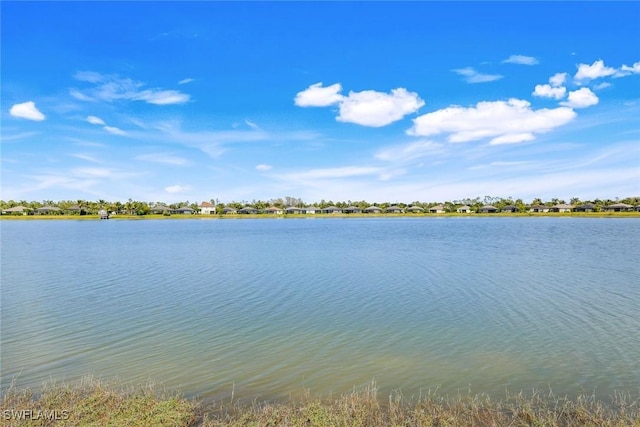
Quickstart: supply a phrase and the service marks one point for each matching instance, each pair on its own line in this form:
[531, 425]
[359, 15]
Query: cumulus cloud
[558, 79]
[263, 167]
[581, 98]
[473, 76]
[27, 110]
[509, 121]
[366, 108]
[95, 120]
[625, 70]
[318, 96]
[376, 109]
[111, 88]
[174, 189]
[521, 59]
[594, 71]
[547, 91]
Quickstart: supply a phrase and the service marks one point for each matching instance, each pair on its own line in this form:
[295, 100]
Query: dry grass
[94, 403]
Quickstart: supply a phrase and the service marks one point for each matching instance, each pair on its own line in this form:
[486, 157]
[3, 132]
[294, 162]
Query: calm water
[271, 307]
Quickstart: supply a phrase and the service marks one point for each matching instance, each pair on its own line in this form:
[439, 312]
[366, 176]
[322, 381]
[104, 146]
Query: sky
[342, 101]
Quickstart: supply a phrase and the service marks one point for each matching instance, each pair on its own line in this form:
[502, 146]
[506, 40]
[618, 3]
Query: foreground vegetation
[94, 403]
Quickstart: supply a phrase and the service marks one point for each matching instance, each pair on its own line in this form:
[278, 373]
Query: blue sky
[382, 101]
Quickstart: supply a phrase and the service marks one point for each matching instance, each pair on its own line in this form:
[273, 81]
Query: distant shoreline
[634, 214]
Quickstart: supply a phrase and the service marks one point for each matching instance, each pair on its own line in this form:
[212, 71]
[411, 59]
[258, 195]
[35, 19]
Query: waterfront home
[373, 210]
[352, 209]
[488, 209]
[509, 208]
[46, 210]
[207, 208]
[103, 214]
[73, 210]
[561, 207]
[160, 209]
[637, 208]
[273, 210]
[293, 210]
[229, 211]
[311, 210]
[184, 210]
[618, 207]
[587, 207]
[16, 210]
[436, 209]
[464, 209]
[415, 209]
[331, 210]
[538, 208]
[394, 209]
[249, 210]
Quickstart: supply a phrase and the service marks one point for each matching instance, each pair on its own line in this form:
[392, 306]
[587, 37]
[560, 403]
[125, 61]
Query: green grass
[95, 403]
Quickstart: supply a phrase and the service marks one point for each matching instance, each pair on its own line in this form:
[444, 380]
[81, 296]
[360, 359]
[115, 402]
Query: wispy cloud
[27, 110]
[163, 158]
[175, 189]
[473, 76]
[521, 59]
[408, 152]
[114, 130]
[112, 88]
[263, 167]
[86, 157]
[95, 120]
[185, 81]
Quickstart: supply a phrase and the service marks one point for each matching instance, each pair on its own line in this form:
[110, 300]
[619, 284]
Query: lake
[268, 308]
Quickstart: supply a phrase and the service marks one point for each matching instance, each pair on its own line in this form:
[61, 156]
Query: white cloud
[503, 121]
[251, 124]
[366, 108]
[27, 110]
[625, 70]
[163, 158]
[558, 79]
[114, 130]
[173, 189]
[95, 120]
[472, 76]
[161, 97]
[581, 98]
[112, 88]
[318, 96]
[185, 81]
[521, 59]
[263, 167]
[602, 85]
[376, 109]
[590, 72]
[548, 91]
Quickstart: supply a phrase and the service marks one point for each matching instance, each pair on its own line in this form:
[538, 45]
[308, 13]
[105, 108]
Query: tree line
[137, 207]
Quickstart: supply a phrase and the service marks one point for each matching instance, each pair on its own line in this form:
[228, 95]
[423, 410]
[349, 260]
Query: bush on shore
[95, 403]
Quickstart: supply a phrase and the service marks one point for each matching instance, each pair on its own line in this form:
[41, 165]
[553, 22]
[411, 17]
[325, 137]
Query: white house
[207, 208]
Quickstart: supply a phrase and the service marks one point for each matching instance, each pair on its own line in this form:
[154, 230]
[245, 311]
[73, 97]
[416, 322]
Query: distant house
[207, 208]
[184, 210]
[273, 210]
[561, 207]
[249, 210]
[637, 208]
[538, 208]
[352, 210]
[73, 210]
[293, 210]
[436, 209]
[415, 209]
[488, 209]
[331, 210]
[587, 207]
[160, 209]
[311, 210]
[618, 207]
[464, 209]
[509, 208]
[47, 210]
[229, 211]
[373, 210]
[394, 209]
[16, 210]
[103, 214]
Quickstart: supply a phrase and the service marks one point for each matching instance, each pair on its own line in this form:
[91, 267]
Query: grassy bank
[95, 403]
